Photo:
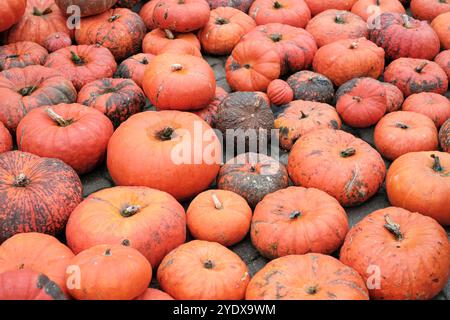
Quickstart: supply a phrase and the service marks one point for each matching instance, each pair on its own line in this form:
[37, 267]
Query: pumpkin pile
[155, 149]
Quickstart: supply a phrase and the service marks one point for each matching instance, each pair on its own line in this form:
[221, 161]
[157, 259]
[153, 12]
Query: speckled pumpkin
[394, 97]
[21, 54]
[134, 67]
[311, 86]
[57, 40]
[444, 136]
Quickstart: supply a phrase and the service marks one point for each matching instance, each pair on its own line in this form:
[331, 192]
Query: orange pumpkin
[146, 14]
[401, 132]
[209, 114]
[311, 86]
[134, 67]
[164, 145]
[291, 12]
[429, 9]
[56, 41]
[110, 272]
[441, 25]
[6, 143]
[279, 92]
[394, 97]
[202, 270]
[444, 136]
[369, 10]
[443, 60]
[21, 54]
[356, 169]
[301, 117]
[429, 197]
[154, 294]
[433, 105]
[87, 7]
[312, 276]
[391, 243]
[158, 41]
[317, 6]
[181, 15]
[11, 11]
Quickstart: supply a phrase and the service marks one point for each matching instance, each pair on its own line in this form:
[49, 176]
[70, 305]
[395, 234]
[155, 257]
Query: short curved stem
[165, 134]
[130, 211]
[348, 152]
[21, 180]
[217, 204]
[421, 66]
[57, 118]
[169, 34]
[401, 125]
[114, 18]
[393, 228]
[437, 163]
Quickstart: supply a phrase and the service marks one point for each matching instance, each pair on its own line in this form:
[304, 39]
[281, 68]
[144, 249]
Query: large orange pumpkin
[6, 143]
[443, 60]
[444, 136]
[202, 270]
[134, 67]
[370, 10]
[400, 254]
[429, 9]
[431, 104]
[291, 12]
[11, 12]
[432, 195]
[159, 41]
[356, 170]
[441, 25]
[317, 6]
[312, 276]
[21, 54]
[161, 150]
[181, 15]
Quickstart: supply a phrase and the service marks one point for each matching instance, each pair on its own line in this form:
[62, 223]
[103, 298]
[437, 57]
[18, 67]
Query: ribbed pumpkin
[134, 67]
[279, 92]
[146, 14]
[443, 60]
[209, 114]
[444, 136]
[433, 105]
[394, 97]
[87, 7]
[181, 15]
[317, 6]
[6, 143]
[159, 41]
[370, 10]
[291, 12]
[21, 54]
[11, 11]
[154, 294]
[311, 86]
[391, 243]
[356, 169]
[441, 25]
[57, 40]
[429, 9]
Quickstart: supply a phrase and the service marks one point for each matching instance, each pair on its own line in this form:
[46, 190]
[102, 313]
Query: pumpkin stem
[303, 115]
[177, 67]
[275, 37]
[12, 56]
[312, 290]
[354, 45]
[209, 264]
[169, 34]
[247, 66]
[57, 118]
[165, 134]
[37, 12]
[357, 98]
[406, 22]
[378, 2]
[295, 214]
[339, 19]
[76, 58]
[130, 211]
[420, 67]
[21, 180]
[217, 204]
[28, 90]
[126, 242]
[437, 163]
[221, 20]
[348, 152]
[144, 61]
[277, 5]
[393, 228]
[180, 1]
[108, 252]
[114, 18]
[401, 125]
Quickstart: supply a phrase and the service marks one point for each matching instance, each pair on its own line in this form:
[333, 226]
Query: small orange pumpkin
[433, 105]
[279, 92]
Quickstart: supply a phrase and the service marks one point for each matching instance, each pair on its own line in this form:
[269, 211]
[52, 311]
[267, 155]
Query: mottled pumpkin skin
[429, 9]
[302, 117]
[311, 86]
[394, 97]
[423, 253]
[134, 67]
[291, 12]
[202, 270]
[87, 7]
[281, 219]
[146, 14]
[279, 92]
[6, 143]
[24, 89]
[312, 276]
[42, 199]
[26, 284]
[11, 11]
[357, 170]
[433, 105]
[431, 196]
[154, 294]
[158, 41]
[116, 98]
[248, 173]
[126, 3]
[318, 6]
[21, 54]
[242, 5]
[444, 136]
[370, 10]
[209, 114]
[56, 41]
[120, 30]
[441, 25]
[443, 60]
[37, 252]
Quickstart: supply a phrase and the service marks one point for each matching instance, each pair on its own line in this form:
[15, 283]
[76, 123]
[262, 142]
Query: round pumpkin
[416, 75]
[159, 41]
[87, 7]
[393, 242]
[247, 174]
[11, 12]
[394, 97]
[301, 117]
[242, 5]
[433, 105]
[146, 14]
[361, 102]
[154, 294]
[21, 54]
[161, 150]
[134, 67]
[429, 9]
[110, 272]
[401, 132]
[79, 134]
[311, 86]
[225, 28]
[219, 216]
[117, 98]
[36, 252]
[332, 25]
[209, 114]
[443, 60]
[444, 136]
[291, 12]
[370, 10]
[430, 196]
[202, 270]
[252, 65]
[312, 276]
[317, 6]
[6, 143]
[356, 170]
[23, 90]
[402, 36]
[279, 92]
[346, 59]
[283, 218]
[41, 19]
[148, 220]
[57, 40]
[441, 25]
[181, 15]
[120, 30]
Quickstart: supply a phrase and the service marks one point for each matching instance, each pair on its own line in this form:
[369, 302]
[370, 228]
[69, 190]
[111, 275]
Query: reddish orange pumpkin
[154, 294]
[79, 134]
[158, 41]
[291, 12]
[394, 97]
[134, 67]
[401, 132]
[57, 40]
[279, 92]
[317, 6]
[6, 143]
[312, 276]
[202, 270]
[355, 168]
[391, 243]
[311, 86]
[430, 196]
[21, 54]
[433, 105]
[148, 220]
[444, 136]
[181, 15]
[209, 114]
[443, 60]
[11, 11]
[110, 272]
[146, 14]
[429, 9]
[441, 25]
[151, 148]
[369, 10]
[87, 7]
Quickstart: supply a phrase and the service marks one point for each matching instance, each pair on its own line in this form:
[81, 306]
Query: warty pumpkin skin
[298, 220]
[416, 75]
[210, 113]
[161, 147]
[441, 25]
[346, 59]
[370, 10]
[158, 41]
[24, 89]
[291, 12]
[146, 14]
[401, 132]
[120, 30]
[242, 5]
[21, 54]
[444, 136]
[11, 11]
[225, 28]
[148, 220]
[202, 270]
[219, 216]
[302, 117]
[279, 92]
[6, 143]
[402, 36]
[429, 9]
[37, 252]
[87, 7]
[79, 134]
[26, 284]
[394, 97]
[116, 98]
[399, 243]
[433, 105]
[311, 86]
[110, 272]
[56, 41]
[443, 60]
[332, 25]
[431, 196]
[318, 6]
[356, 170]
[181, 15]
[154, 294]
[134, 67]
[312, 276]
